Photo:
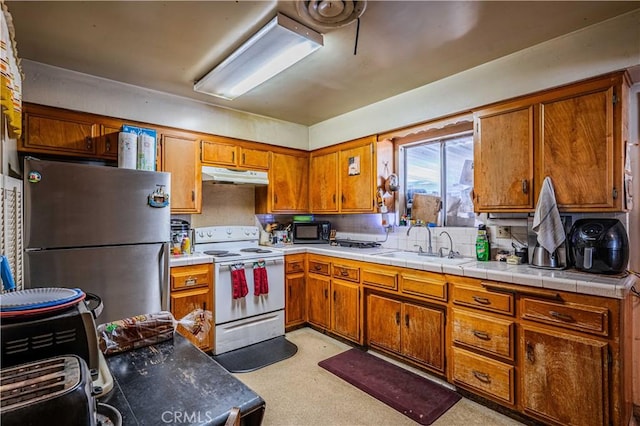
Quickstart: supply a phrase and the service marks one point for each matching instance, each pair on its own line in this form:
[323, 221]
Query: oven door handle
[247, 264]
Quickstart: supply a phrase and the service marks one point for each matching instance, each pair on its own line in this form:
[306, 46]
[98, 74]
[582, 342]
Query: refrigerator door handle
[164, 276]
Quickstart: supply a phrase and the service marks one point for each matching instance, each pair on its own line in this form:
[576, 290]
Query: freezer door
[131, 279]
[79, 205]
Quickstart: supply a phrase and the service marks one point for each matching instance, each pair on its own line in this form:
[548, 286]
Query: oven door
[230, 309]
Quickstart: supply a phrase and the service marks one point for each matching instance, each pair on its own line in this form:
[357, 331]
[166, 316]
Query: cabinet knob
[326, 293]
[525, 186]
[397, 318]
[108, 146]
[191, 281]
[89, 143]
[406, 320]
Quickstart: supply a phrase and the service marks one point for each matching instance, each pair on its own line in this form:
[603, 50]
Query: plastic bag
[149, 329]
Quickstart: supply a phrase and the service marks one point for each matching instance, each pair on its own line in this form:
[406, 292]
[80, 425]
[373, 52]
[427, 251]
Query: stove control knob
[229, 231]
[201, 234]
[246, 231]
[209, 234]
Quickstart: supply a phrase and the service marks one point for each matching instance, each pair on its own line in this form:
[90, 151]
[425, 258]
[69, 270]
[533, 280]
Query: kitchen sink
[416, 257]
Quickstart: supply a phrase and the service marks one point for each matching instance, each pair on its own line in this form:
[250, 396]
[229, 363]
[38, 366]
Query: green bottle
[483, 251]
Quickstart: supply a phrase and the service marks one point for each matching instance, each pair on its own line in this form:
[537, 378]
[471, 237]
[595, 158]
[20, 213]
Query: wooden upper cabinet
[503, 159]
[323, 173]
[577, 149]
[181, 157]
[228, 154]
[59, 132]
[288, 189]
[219, 153]
[357, 179]
[108, 141]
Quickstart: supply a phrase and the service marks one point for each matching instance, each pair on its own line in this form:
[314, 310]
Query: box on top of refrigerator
[146, 146]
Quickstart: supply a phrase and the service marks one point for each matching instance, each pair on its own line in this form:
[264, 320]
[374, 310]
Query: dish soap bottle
[482, 244]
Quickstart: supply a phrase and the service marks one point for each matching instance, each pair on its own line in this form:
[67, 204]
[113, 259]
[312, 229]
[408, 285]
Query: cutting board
[426, 207]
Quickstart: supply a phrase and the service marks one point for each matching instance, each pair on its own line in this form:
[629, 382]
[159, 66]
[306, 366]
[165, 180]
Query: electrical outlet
[503, 232]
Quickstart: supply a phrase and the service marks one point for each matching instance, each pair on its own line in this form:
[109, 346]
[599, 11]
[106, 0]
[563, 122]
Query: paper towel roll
[127, 150]
[146, 152]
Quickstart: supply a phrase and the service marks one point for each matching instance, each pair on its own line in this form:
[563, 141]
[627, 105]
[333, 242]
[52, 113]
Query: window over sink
[441, 167]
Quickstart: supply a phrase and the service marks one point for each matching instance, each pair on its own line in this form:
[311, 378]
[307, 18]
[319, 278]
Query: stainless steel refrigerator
[102, 229]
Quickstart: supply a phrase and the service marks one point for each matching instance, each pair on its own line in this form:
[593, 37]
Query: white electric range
[250, 319]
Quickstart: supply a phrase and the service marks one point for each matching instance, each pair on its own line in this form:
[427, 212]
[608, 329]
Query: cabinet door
[383, 322]
[423, 335]
[295, 299]
[184, 302]
[254, 159]
[323, 174]
[108, 142]
[357, 181]
[220, 154]
[503, 159]
[577, 150]
[181, 158]
[564, 377]
[59, 132]
[345, 309]
[289, 183]
[318, 300]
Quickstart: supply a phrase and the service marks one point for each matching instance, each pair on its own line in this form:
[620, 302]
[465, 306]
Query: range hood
[240, 177]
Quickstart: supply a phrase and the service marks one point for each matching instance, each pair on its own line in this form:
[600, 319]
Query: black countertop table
[176, 383]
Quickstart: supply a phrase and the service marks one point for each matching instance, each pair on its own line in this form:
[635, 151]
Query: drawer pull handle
[483, 377]
[561, 316]
[406, 320]
[397, 318]
[482, 300]
[191, 281]
[295, 266]
[326, 293]
[481, 335]
[317, 267]
[344, 273]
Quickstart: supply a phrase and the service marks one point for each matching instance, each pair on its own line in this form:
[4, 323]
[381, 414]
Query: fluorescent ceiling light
[277, 46]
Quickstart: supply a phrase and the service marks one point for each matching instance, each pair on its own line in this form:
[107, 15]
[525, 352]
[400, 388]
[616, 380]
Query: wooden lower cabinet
[409, 329]
[192, 288]
[318, 306]
[345, 309]
[565, 378]
[295, 294]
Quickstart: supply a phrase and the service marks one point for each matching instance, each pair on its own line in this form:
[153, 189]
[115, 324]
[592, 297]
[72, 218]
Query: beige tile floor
[299, 392]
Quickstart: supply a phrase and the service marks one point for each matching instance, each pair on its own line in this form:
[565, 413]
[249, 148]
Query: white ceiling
[402, 45]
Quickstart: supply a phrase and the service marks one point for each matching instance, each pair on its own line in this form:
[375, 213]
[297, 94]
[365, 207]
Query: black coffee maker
[599, 246]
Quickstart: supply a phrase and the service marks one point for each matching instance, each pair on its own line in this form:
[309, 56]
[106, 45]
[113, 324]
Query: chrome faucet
[452, 253]
[429, 251]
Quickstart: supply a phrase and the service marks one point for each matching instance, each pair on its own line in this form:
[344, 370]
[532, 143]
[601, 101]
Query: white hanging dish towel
[546, 221]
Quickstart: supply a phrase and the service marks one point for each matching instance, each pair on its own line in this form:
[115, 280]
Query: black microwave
[311, 232]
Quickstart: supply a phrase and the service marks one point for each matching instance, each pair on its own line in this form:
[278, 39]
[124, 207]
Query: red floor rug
[416, 397]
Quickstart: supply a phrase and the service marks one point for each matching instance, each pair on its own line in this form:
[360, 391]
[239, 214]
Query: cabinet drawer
[190, 276]
[591, 319]
[294, 265]
[483, 299]
[348, 273]
[319, 267]
[483, 374]
[380, 278]
[426, 284]
[493, 335]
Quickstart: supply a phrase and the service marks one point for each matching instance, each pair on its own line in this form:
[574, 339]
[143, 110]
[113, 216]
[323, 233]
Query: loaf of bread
[135, 332]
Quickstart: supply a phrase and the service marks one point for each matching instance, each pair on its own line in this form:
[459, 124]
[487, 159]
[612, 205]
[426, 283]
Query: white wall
[48, 85]
[598, 49]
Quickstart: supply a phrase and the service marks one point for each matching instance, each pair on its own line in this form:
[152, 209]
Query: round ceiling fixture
[330, 14]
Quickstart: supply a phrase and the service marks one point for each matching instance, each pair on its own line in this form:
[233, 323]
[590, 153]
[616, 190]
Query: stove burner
[357, 244]
[255, 250]
[228, 254]
[216, 252]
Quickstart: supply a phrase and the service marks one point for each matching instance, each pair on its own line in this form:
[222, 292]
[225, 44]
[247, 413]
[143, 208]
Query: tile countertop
[189, 259]
[564, 280]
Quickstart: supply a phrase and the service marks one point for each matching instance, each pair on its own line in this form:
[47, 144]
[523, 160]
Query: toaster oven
[36, 337]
